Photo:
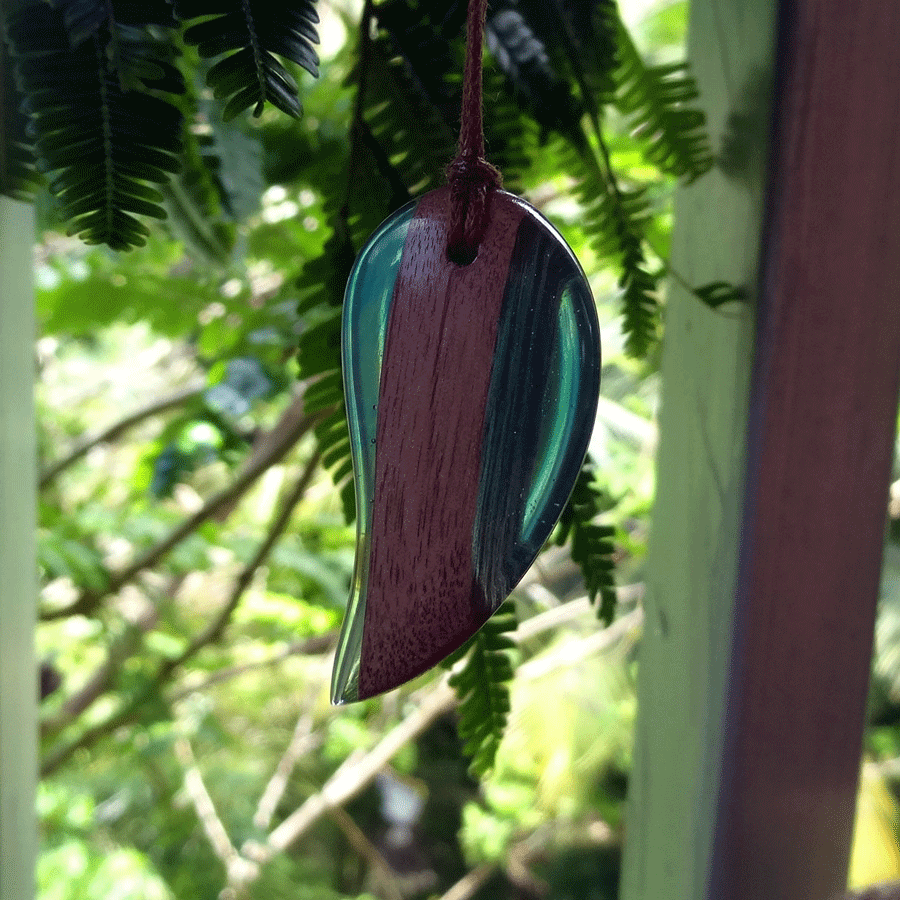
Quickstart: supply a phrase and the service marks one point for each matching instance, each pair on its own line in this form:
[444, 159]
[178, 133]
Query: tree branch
[386, 877]
[103, 676]
[428, 705]
[349, 779]
[116, 429]
[365, 44]
[471, 883]
[128, 710]
[214, 630]
[290, 428]
[573, 652]
[302, 741]
[215, 831]
[311, 646]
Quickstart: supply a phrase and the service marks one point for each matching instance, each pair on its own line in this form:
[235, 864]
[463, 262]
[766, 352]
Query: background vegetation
[195, 533]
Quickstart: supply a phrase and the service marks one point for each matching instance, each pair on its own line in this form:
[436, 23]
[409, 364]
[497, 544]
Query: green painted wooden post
[18, 477]
[694, 544]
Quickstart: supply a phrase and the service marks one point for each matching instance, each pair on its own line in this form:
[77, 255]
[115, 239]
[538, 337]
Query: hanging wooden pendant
[471, 393]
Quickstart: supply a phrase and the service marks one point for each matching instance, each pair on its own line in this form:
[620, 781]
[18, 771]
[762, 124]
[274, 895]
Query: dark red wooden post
[823, 413]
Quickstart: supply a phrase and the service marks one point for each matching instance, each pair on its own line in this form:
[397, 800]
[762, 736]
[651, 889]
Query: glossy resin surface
[471, 393]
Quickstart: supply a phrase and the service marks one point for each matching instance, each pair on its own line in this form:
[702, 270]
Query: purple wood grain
[821, 441]
[422, 599]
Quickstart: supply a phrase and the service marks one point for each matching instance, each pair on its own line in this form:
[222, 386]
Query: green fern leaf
[511, 136]
[482, 686]
[195, 207]
[592, 544]
[640, 305]
[100, 129]
[86, 18]
[616, 220]
[522, 56]
[594, 28]
[547, 50]
[251, 33]
[659, 103]
[18, 178]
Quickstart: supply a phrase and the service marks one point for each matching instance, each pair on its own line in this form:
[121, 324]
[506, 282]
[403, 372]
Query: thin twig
[387, 878]
[561, 614]
[357, 773]
[471, 882]
[215, 831]
[352, 777]
[293, 424]
[303, 741]
[356, 135]
[572, 652]
[214, 630]
[113, 431]
[315, 645]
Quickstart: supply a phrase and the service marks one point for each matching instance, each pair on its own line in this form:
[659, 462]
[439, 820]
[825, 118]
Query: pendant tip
[344, 685]
[342, 694]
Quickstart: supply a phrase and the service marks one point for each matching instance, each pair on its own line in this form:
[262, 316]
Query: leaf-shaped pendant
[471, 393]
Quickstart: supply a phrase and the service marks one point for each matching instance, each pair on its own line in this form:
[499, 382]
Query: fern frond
[100, 130]
[640, 289]
[252, 32]
[592, 545]
[511, 136]
[234, 155]
[220, 183]
[482, 686]
[658, 101]
[427, 37]
[522, 56]
[413, 103]
[579, 39]
[616, 220]
[321, 286]
[407, 122]
[194, 212]
[18, 178]
[718, 293]
[593, 27]
[84, 19]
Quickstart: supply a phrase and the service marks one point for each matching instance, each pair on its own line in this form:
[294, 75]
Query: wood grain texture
[823, 415]
[422, 600]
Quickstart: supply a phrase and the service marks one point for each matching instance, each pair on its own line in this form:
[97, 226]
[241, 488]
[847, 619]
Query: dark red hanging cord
[470, 176]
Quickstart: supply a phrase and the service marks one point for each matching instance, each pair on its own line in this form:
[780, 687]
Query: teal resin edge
[367, 304]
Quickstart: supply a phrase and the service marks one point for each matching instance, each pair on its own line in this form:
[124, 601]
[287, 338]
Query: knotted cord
[470, 176]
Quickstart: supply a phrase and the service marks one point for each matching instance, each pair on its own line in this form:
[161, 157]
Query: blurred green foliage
[191, 701]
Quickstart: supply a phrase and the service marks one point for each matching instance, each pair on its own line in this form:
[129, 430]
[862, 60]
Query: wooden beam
[694, 544]
[820, 449]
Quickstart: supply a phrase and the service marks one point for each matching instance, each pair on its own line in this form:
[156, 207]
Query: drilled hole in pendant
[462, 256]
